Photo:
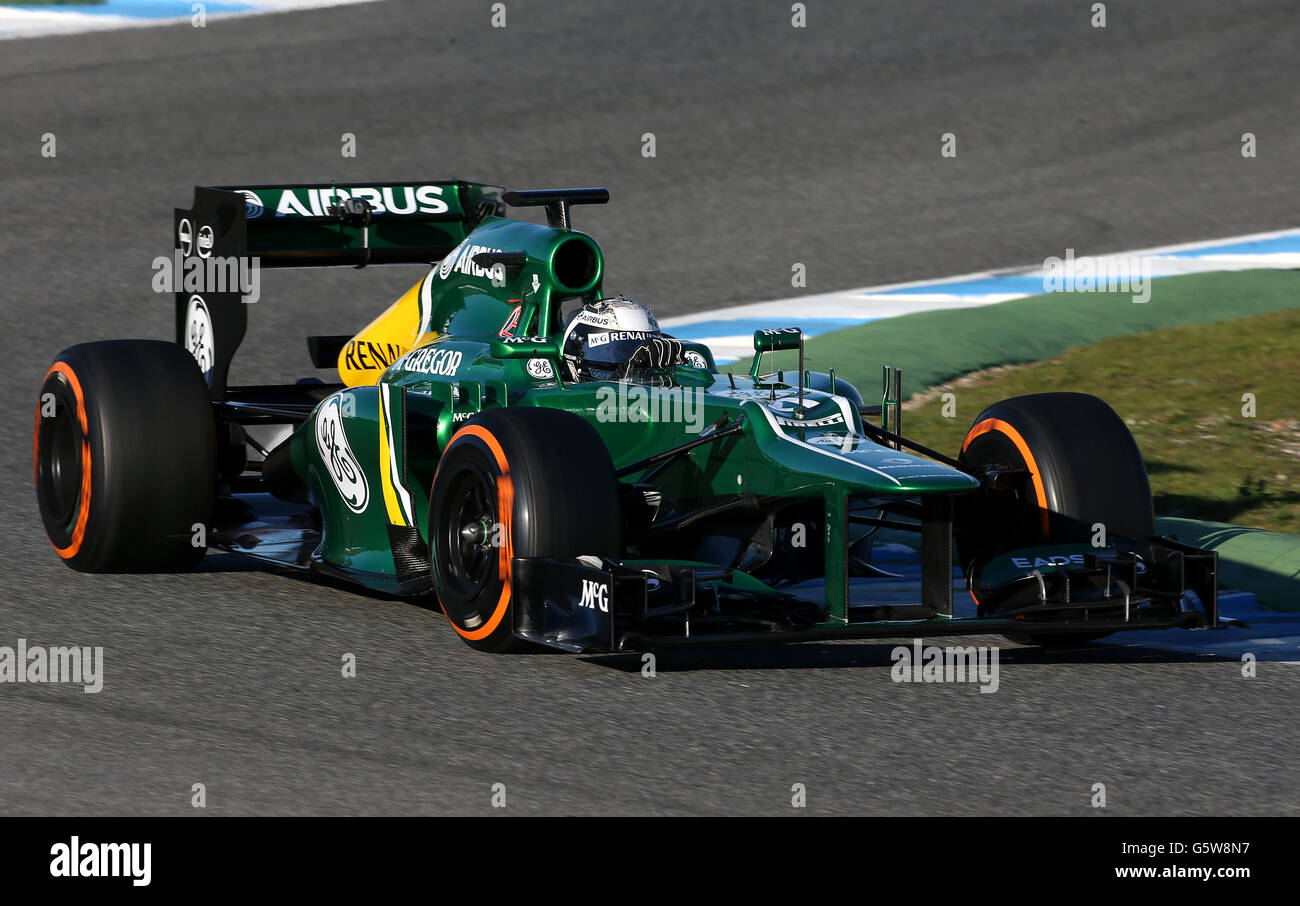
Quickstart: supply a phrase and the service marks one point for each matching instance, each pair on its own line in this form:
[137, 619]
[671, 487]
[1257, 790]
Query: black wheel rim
[60, 462]
[1009, 517]
[1017, 514]
[466, 542]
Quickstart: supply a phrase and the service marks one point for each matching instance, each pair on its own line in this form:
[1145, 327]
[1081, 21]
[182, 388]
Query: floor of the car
[262, 526]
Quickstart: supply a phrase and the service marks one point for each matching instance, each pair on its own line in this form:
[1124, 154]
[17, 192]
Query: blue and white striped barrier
[729, 331]
[32, 20]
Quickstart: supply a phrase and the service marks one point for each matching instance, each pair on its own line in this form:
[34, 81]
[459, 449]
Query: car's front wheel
[1084, 470]
[526, 482]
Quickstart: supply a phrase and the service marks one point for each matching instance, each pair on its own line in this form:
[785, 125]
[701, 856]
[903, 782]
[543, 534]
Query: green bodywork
[794, 443]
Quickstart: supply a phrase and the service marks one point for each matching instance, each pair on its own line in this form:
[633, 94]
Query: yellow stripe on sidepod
[388, 478]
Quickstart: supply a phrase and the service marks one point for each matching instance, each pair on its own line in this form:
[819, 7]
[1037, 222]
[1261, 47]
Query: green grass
[1180, 391]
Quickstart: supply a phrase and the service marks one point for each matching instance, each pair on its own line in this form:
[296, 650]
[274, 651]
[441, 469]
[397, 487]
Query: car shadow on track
[879, 653]
[223, 562]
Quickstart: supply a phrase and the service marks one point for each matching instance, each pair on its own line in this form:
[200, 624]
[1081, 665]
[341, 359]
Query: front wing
[580, 607]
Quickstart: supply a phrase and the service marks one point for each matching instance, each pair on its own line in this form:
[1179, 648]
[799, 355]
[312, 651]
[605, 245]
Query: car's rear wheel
[123, 452]
[526, 482]
[1084, 470]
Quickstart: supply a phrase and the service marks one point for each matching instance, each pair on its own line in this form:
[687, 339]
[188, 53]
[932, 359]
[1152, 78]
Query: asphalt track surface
[774, 145]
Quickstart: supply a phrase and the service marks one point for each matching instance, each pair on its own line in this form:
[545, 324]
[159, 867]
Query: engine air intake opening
[575, 263]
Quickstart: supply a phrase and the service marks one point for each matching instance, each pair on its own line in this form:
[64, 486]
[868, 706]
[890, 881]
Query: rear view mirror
[776, 338]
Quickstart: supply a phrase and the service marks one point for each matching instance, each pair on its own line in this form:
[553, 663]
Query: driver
[615, 338]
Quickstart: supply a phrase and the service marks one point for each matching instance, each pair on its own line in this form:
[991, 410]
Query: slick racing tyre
[526, 482]
[1083, 466]
[124, 452]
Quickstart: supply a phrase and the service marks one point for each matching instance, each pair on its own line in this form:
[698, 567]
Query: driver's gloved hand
[658, 352]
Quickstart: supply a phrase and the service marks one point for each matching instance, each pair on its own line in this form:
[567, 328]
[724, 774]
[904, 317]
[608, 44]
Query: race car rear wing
[230, 229]
[350, 223]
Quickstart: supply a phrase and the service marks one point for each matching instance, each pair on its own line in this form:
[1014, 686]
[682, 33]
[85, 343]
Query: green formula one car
[547, 464]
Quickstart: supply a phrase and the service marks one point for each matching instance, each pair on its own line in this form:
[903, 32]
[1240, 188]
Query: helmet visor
[607, 352]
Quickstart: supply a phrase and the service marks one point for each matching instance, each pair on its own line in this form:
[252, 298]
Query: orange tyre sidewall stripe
[505, 512]
[996, 424]
[78, 530]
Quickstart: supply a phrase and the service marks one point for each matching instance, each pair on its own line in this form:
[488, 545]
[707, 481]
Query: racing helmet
[607, 339]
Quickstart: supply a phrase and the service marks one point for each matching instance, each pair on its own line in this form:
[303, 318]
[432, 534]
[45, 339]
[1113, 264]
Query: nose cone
[821, 441]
